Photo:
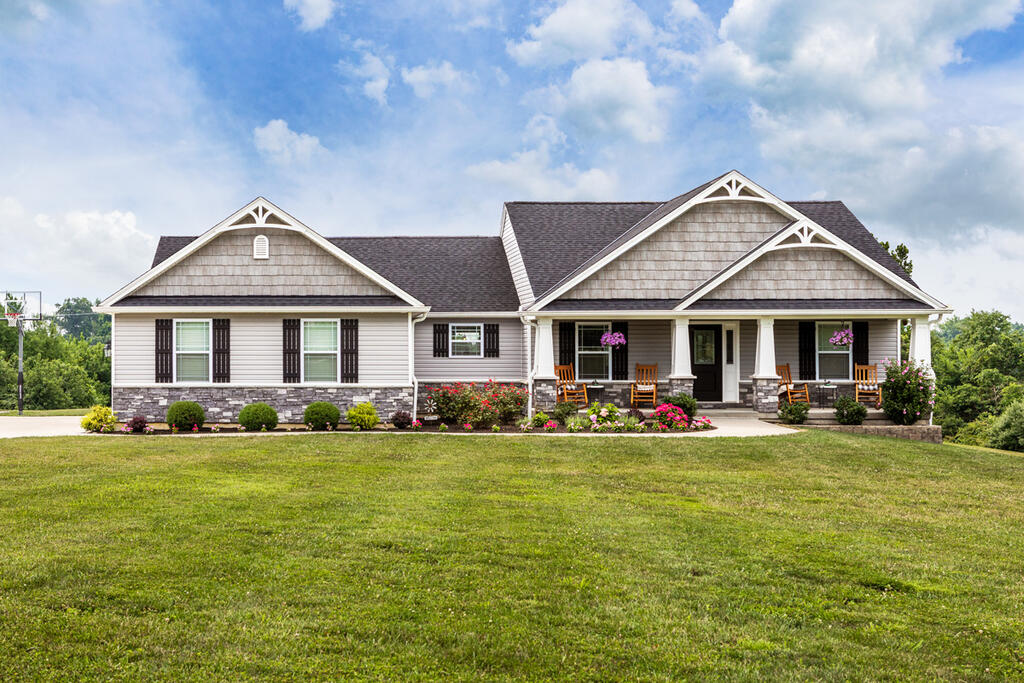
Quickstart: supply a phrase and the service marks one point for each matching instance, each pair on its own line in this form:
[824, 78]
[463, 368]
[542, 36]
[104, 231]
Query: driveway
[11, 427]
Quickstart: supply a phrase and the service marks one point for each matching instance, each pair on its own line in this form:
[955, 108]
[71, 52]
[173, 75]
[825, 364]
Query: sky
[122, 120]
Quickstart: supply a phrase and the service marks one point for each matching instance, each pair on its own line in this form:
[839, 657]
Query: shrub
[849, 411]
[907, 392]
[577, 424]
[507, 400]
[685, 401]
[99, 419]
[794, 413]
[257, 417]
[636, 414]
[136, 425]
[401, 419]
[601, 414]
[976, 433]
[321, 415]
[184, 414]
[1008, 429]
[539, 419]
[363, 416]
[564, 410]
[51, 384]
[671, 416]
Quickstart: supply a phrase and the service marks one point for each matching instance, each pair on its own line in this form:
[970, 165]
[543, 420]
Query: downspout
[412, 361]
[530, 325]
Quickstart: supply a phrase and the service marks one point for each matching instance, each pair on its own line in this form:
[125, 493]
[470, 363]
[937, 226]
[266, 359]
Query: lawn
[58, 412]
[819, 555]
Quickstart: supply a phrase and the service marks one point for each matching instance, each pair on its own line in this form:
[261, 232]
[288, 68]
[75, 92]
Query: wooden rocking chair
[645, 385]
[792, 392]
[566, 387]
[866, 379]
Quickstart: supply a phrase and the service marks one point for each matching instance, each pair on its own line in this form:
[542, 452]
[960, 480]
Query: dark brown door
[706, 361]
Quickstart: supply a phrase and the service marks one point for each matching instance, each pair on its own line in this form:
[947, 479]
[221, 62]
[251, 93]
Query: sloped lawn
[819, 555]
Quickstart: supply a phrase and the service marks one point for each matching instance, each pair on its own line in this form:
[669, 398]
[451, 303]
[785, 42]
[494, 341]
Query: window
[261, 247]
[593, 361]
[191, 350]
[319, 350]
[466, 341]
[834, 362]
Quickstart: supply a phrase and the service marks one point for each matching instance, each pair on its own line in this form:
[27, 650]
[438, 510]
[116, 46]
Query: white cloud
[313, 14]
[543, 128]
[532, 173]
[612, 97]
[285, 147]
[374, 73]
[426, 79]
[583, 29]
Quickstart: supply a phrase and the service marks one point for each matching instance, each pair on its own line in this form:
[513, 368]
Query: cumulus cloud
[534, 175]
[374, 73]
[427, 79]
[313, 14]
[612, 97]
[285, 147]
[578, 30]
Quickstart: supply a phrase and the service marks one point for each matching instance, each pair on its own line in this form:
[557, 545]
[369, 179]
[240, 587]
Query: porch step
[719, 405]
[827, 416]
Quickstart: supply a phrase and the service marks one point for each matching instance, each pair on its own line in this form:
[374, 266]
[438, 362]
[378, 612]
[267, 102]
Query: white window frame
[607, 351]
[302, 349]
[817, 351]
[451, 340]
[174, 350]
[255, 251]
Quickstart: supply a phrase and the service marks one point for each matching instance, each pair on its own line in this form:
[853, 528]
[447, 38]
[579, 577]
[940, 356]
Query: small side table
[829, 391]
[595, 392]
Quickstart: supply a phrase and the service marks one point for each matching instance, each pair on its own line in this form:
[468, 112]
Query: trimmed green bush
[184, 414]
[539, 418]
[257, 417]
[685, 401]
[363, 416]
[99, 419]
[794, 413]
[849, 411]
[563, 411]
[977, 432]
[1008, 430]
[321, 416]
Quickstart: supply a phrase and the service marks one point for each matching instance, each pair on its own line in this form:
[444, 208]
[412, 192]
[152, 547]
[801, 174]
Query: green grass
[819, 555]
[61, 411]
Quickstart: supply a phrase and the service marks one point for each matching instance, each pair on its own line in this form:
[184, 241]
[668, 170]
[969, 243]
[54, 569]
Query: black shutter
[567, 343]
[808, 349]
[440, 340]
[164, 357]
[221, 350]
[490, 340]
[350, 351]
[620, 353]
[291, 356]
[860, 342]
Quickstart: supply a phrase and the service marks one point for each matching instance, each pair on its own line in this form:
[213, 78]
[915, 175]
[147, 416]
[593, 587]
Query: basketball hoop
[12, 318]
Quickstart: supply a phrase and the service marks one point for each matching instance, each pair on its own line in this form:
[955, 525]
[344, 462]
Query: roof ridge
[406, 237]
[564, 203]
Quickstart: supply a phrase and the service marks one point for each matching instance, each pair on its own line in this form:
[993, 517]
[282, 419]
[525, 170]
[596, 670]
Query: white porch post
[764, 366]
[545, 359]
[921, 341]
[681, 350]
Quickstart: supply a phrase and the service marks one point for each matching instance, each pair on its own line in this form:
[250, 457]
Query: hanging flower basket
[612, 339]
[843, 337]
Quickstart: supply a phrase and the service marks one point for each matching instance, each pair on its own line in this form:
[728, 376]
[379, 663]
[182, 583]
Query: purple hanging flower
[613, 339]
[843, 337]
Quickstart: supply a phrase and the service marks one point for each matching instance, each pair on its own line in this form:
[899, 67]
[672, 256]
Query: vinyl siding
[256, 348]
[509, 365]
[649, 342]
[882, 343]
[515, 262]
[748, 348]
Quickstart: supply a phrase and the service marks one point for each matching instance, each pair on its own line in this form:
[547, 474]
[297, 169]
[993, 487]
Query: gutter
[530, 324]
[413, 319]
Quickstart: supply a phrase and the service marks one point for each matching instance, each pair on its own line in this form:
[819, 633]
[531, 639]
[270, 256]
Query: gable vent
[261, 247]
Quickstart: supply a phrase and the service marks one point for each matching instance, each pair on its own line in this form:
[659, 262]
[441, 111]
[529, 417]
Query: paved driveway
[11, 427]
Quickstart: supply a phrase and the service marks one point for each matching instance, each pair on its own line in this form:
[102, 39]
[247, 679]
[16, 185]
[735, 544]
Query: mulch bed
[165, 430]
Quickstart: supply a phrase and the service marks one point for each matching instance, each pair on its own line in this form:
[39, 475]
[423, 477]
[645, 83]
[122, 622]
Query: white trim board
[286, 311]
[258, 208]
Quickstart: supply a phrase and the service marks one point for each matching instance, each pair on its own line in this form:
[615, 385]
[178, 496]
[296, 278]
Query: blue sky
[124, 120]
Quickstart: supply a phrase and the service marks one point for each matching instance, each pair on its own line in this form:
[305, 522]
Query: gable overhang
[515, 258]
[740, 314]
[732, 187]
[803, 233]
[258, 209]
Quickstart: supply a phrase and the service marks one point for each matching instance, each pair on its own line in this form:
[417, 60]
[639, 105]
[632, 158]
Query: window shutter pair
[221, 350]
[566, 343]
[808, 337]
[348, 350]
[620, 353]
[491, 340]
[860, 342]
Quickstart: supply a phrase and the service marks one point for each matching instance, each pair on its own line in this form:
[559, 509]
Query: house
[716, 287]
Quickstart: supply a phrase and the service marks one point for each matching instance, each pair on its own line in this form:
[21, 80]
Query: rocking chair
[645, 385]
[566, 387]
[868, 388]
[792, 392]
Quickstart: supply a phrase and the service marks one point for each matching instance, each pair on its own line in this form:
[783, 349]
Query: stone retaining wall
[222, 403]
[926, 433]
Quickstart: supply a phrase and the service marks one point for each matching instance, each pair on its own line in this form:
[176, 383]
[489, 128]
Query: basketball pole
[21, 366]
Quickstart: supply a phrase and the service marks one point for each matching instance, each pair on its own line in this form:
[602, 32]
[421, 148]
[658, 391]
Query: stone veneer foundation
[222, 403]
[766, 394]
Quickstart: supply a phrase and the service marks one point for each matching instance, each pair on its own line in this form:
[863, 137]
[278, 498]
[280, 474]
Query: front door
[706, 361]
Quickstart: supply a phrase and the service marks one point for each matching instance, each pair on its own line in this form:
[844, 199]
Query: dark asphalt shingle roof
[805, 304]
[612, 305]
[261, 301]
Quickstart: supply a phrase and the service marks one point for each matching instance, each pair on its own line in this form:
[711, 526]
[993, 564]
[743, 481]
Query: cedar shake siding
[685, 253]
[296, 266]
[813, 273]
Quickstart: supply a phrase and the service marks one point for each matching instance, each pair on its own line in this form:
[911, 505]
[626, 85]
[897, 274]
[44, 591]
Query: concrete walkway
[30, 425]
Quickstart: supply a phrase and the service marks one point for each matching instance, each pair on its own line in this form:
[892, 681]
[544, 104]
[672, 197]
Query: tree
[901, 253]
[75, 319]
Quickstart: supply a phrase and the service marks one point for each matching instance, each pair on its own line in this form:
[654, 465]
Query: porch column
[765, 381]
[681, 379]
[921, 341]
[545, 361]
